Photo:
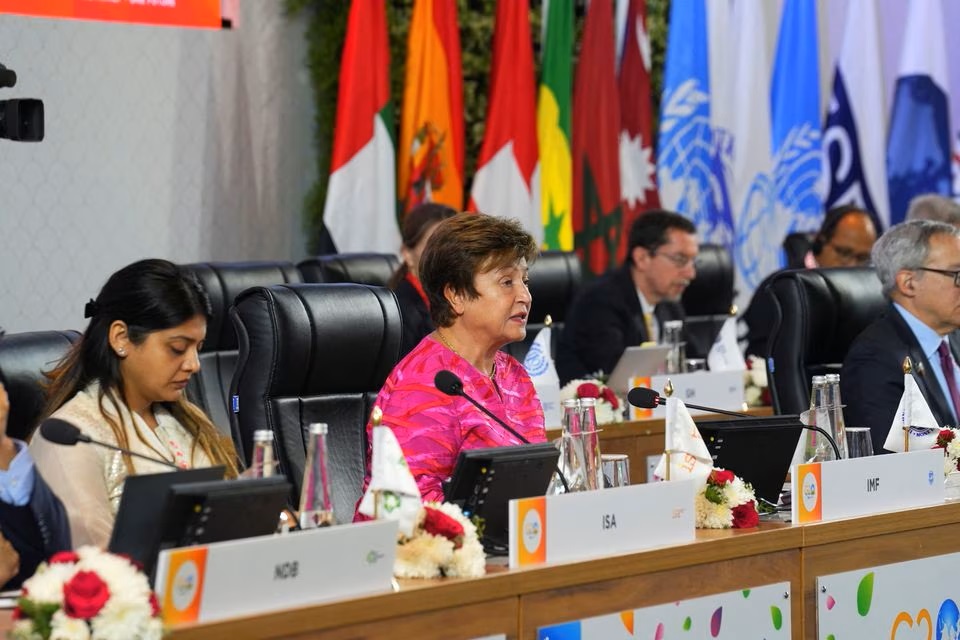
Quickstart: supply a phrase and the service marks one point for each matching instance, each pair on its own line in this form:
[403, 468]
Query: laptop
[759, 450]
[638, 361]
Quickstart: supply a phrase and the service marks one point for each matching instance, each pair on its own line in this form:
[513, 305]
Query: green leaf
[776, 616]
[746, 593]
[865, 594]
[687, 624]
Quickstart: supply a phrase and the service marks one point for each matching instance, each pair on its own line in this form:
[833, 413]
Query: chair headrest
[711, 292]
[555, 277]
[796, 245]
[361, 268]
[23, 359]
[224, 281]
[311, 339]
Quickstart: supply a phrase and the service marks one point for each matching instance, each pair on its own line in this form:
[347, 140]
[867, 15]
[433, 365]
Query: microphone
[60, 432]
[644, 398]
[8, 77]
[452, 385]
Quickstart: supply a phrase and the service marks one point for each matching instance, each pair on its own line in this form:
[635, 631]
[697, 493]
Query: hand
[9, 561]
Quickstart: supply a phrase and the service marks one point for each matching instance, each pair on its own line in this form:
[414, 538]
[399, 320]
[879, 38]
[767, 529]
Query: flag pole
[907, 370]
[376, 417]
[667, 392]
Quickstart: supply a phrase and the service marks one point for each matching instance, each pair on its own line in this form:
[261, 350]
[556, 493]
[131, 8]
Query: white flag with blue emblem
[795, 121]
[918, 147]
[393, 494]
[854, 135]
[543, 373]
[914, 414]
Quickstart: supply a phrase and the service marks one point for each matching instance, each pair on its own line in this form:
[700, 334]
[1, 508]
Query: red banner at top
[178, 13]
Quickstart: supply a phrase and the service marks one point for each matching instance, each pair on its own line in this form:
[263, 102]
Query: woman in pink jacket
[474, 272]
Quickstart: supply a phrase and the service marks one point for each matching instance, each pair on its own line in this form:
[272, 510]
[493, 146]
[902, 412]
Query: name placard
[721, 389]
[864, 486]
[255, 575]
[600, 523]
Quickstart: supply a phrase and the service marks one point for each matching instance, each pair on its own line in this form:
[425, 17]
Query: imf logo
[536, 363]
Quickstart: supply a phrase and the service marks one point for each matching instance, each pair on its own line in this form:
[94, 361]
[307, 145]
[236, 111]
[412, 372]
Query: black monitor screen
[759, 450]
[485, 480]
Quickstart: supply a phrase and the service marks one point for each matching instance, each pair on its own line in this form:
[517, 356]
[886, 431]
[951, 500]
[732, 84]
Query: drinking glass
[616, 469]
[859, 443]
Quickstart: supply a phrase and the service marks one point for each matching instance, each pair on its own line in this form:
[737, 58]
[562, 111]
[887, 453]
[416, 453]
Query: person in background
[844, 240]
[418, 226]
[474, 272]
[33, 525]
[627, 306]
[918, 264]
[123, 383]
[932, 206]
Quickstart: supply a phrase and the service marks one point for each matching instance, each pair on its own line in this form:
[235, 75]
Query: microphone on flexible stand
[449, 383]
[644, 398]
[60, 432]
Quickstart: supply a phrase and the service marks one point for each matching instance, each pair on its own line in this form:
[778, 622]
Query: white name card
[589, 524]
[255, 575]
[721, 389]
[864, 486]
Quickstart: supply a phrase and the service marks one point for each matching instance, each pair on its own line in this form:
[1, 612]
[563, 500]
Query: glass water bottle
[316, 507]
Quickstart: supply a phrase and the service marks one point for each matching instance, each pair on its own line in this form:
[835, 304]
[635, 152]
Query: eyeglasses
[944, 272]
[679, 260]
[849, 255]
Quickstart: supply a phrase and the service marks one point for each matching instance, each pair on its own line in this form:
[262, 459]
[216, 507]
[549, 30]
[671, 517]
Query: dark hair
[650, 229]
[462, 247]
[830, 223]
[148, 296]
[415, 225]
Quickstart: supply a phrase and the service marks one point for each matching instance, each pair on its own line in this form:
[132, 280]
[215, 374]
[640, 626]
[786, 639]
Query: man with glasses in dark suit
[628, 305]
[918, 264]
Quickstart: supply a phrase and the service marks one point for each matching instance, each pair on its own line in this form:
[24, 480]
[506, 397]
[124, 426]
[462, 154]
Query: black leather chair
[817, 315]
[224, 281]
[361, 268]
[555, 277]
[708, 299]
[314, 353]
[23, 359]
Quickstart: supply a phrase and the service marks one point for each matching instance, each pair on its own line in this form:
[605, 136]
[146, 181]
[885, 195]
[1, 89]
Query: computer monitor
[759, 450]
[485, 480]
[136, 530]
[200, 511]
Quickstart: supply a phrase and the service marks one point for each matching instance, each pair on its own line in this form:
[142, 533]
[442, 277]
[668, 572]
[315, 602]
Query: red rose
[154, 605]
[84, 595]
[440, 524]
[16, 614]
[944, 438]
[610, 397]
[721, 476]
[588, 390]
[64, 557]
[745, 516]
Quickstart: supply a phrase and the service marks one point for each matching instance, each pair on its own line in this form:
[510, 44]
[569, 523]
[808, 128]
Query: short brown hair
[464, 246]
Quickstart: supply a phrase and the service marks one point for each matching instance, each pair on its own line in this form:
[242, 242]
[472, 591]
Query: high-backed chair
[361, 268]
[314, 353]
[708, 298]
[224, 281]
[23, 359]
[795, 247]
[818, 314]
[555, 277]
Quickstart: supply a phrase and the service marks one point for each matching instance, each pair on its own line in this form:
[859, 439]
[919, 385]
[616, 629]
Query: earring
[122, 352]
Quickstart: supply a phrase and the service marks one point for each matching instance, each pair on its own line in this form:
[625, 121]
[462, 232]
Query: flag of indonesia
[360, 210]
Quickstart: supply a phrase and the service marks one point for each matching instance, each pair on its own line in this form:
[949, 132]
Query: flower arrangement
[948, 441]
[726, 501]
[756, 390]
[87, 594]
[444, 543]
[609, 408]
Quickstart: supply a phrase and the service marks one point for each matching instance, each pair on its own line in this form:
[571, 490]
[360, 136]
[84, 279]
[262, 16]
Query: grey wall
[160, 142]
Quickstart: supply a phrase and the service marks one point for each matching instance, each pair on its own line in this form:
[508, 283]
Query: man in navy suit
[918, 264]
[628, 306]
[33, 525]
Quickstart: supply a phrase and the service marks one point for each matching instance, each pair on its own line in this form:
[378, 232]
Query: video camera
[21, 119]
